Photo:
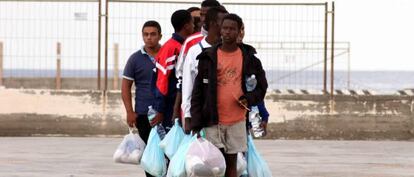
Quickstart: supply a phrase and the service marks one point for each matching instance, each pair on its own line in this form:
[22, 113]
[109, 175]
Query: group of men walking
[199, 76]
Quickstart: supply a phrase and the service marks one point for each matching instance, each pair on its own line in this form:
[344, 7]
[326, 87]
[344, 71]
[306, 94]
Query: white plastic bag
[241, 164]
[172, 140]
[130, 150]
[204, 160]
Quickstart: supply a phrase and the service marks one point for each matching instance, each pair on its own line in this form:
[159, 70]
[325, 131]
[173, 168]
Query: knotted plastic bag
[204, 160]
[153, 160]
[172, 140]
[256, 165]
[130, 150]
[177, 163]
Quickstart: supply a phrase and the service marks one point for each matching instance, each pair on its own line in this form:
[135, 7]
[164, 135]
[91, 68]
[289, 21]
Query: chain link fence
[291, 40]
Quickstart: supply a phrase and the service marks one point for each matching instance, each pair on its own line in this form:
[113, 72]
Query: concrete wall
[26, 112]
[347, 117]
[76, 112]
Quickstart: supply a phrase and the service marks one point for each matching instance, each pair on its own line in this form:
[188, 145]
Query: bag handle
[132, 129]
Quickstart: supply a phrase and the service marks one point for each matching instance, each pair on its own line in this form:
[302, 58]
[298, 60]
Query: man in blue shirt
[140, 69]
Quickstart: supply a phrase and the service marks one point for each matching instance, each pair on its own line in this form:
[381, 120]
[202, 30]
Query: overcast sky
[381, 33]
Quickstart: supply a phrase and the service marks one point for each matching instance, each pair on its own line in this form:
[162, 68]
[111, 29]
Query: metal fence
[37, 36]
[293, 40]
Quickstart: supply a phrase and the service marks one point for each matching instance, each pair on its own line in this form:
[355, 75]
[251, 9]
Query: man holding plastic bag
[161, 111]
[220, 99]
[139, 69]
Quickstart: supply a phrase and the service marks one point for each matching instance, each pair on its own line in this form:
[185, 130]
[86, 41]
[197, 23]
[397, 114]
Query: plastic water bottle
[251, 83]
[151, 113]
[160, 129]
[256, 120]
[254, 116]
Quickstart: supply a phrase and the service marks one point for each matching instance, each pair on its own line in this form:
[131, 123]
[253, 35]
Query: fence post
[116, 67]
[332, 101]
[99, 44]
[332, 50]
[106, 45]
[349, 66]
[1, 63]
[325, 50]
[58, 68]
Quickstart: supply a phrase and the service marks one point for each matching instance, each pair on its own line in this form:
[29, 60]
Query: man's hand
[187, 125]
[198, 132]
[264, 126]
[131, 119]
[243, 103]
[157, 119]
[177, 107]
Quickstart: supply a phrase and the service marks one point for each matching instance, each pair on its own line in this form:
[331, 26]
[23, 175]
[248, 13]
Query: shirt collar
[145, 53]
[205, 43]
[143, 50]
[204, 32]
[178, 38]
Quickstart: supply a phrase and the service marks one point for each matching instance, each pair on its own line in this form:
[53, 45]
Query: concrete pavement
[92, 156]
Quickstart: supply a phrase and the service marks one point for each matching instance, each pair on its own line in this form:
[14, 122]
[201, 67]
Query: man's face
[190, 26]
[219, 21]
[229, 31]
[203, 13]
[151, 36]
[195, 13]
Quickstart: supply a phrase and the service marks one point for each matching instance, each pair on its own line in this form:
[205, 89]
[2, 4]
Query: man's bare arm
[127, 99]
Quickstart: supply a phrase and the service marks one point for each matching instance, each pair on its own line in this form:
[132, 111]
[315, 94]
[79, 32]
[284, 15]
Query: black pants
[144, 129]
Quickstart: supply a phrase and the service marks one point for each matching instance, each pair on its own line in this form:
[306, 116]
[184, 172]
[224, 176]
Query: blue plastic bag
[177, 163]
[256, 166]
[172, 140]
[153, 160]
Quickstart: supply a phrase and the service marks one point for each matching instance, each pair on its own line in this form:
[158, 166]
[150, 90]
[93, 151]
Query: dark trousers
[144, 130]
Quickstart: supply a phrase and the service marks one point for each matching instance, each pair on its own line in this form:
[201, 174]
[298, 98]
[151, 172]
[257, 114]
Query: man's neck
[183, 34]
[212, 39]
[229, 47]
[203, 30]
[152, 51]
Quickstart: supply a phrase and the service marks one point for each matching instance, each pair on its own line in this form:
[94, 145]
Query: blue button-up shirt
[140, 69]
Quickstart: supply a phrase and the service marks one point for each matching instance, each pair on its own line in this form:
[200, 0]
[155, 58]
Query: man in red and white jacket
[189, 42]
[165, 81]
